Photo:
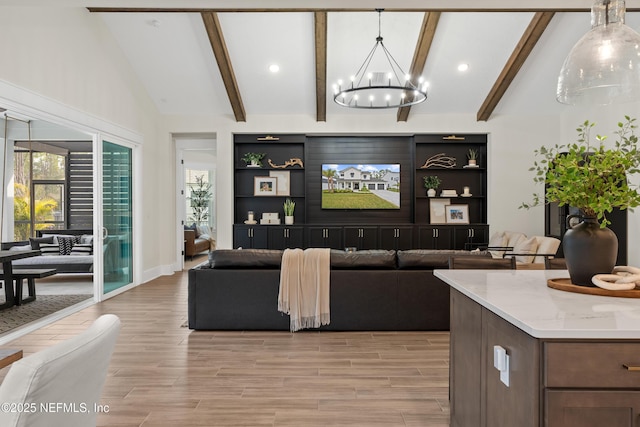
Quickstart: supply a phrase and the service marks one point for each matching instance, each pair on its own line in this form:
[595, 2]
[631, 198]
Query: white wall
[67, 55]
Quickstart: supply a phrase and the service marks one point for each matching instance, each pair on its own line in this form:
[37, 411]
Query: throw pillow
[82, 249]
[526, 246]
[203, 229]
[20, 248]
[49, 249]
[66, 243]
[498, 240]
[86, 239]
[36, 241]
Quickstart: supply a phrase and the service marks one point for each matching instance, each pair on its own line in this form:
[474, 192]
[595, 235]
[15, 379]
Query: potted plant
[431, 183]
[472, 157]
[200, 200]
[288, 206]
[254, 160]
[594, 179]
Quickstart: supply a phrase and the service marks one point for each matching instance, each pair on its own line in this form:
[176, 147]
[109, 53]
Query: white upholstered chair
[60, 385]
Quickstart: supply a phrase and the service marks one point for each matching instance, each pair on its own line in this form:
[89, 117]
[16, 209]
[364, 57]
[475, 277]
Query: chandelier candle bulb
[381, 82]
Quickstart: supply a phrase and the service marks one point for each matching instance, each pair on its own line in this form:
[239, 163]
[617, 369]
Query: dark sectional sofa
[373, 290]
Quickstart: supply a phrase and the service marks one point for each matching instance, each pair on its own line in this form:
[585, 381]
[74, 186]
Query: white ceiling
[172, 55]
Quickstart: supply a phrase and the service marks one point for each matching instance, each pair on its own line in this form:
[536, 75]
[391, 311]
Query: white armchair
[61, 385]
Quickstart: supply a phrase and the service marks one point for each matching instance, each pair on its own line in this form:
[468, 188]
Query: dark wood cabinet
[361, 237]
[335, 228]
[611, 408]
[552, 382]
[325, 237]
[399, 238]
[435, 237]
[470, 236]
[283, 237]
[250, 237]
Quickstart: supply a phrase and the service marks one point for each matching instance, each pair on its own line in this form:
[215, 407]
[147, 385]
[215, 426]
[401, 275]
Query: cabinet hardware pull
[631, 367]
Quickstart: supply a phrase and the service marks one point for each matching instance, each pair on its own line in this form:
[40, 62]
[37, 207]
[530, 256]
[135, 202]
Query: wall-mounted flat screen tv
[360, 186]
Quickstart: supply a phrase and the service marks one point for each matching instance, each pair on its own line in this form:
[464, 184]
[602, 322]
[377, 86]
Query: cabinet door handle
[631, 367]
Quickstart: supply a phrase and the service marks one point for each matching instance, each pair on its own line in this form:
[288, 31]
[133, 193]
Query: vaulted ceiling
[215, 61]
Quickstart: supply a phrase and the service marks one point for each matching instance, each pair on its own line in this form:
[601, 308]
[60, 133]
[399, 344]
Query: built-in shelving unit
[409, 227]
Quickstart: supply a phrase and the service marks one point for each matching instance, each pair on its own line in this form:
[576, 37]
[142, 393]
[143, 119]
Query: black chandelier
[381, 89]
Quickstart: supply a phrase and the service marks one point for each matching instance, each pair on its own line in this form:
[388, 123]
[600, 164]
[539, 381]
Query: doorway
[196, 158]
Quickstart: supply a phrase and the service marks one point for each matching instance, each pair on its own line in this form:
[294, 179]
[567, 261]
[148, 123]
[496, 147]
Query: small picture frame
[265, 186]
[283, 182]
[457, 214]
[437, 212]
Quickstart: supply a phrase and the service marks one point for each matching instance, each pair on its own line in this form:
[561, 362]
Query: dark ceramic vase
[589, 250]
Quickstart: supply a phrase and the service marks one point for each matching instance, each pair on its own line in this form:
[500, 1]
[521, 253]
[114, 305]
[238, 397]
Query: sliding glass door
[117, 216]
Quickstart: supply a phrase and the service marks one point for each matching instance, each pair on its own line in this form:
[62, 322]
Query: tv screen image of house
[360, 186]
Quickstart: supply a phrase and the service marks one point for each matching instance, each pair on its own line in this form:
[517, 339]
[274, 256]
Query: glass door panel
[117, 216]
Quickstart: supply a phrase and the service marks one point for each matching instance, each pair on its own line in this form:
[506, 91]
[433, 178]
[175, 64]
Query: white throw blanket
[304, 287]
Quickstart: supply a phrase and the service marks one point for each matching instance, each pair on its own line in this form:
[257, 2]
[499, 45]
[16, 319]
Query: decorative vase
[431, 192]
[588, 250]
[288, 219]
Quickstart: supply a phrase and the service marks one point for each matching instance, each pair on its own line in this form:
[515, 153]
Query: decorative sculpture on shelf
[288, 163]
[440, 160]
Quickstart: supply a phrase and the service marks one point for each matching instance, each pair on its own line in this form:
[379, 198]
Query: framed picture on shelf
[283, 182]
[457, 214]
[265, 186]
[437, 212]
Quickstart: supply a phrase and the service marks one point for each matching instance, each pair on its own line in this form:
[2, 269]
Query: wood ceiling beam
[302, 9]
[427, 33]
[219, 47]
[321, 65]
[523, 49]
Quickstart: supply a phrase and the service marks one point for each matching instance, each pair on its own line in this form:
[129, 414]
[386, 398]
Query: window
[39, 192]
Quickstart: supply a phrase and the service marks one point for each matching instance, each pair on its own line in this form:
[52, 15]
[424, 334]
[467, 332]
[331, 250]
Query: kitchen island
[523, 354]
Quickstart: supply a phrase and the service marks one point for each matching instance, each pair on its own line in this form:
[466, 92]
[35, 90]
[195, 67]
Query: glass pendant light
[604, 66]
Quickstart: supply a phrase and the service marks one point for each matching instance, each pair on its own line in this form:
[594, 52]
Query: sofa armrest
[189, 242]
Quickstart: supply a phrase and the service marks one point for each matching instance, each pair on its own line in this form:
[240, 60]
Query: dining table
[6, 258]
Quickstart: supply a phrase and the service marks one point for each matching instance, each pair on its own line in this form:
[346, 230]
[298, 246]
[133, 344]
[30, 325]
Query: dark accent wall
[358, 150]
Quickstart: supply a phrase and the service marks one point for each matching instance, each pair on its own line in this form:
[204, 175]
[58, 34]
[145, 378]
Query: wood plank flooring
[163, 374]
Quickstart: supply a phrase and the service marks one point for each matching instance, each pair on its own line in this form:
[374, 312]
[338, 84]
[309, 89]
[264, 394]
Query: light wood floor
[163, 374]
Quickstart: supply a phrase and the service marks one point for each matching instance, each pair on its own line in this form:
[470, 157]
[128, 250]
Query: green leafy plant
[288, 206]
[200, 198]
[593, 179]
[431, 182]
[472, 154]
[254, 158]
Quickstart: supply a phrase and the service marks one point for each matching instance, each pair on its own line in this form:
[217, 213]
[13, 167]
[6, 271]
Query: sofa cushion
[49, 249]
[429, 259]
[526, 246]
[36, 241]
[367, 259]
[82, 249]
[498, 240]
[546, 246]
[245, 258]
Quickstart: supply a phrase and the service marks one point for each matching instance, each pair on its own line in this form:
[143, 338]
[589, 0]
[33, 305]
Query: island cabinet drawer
[592, 364]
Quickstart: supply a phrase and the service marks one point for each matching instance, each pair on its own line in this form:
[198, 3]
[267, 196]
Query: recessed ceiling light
[274, 68]
[463, 67]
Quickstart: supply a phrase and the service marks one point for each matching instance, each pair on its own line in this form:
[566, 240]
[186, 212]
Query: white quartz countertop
[522, 298]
